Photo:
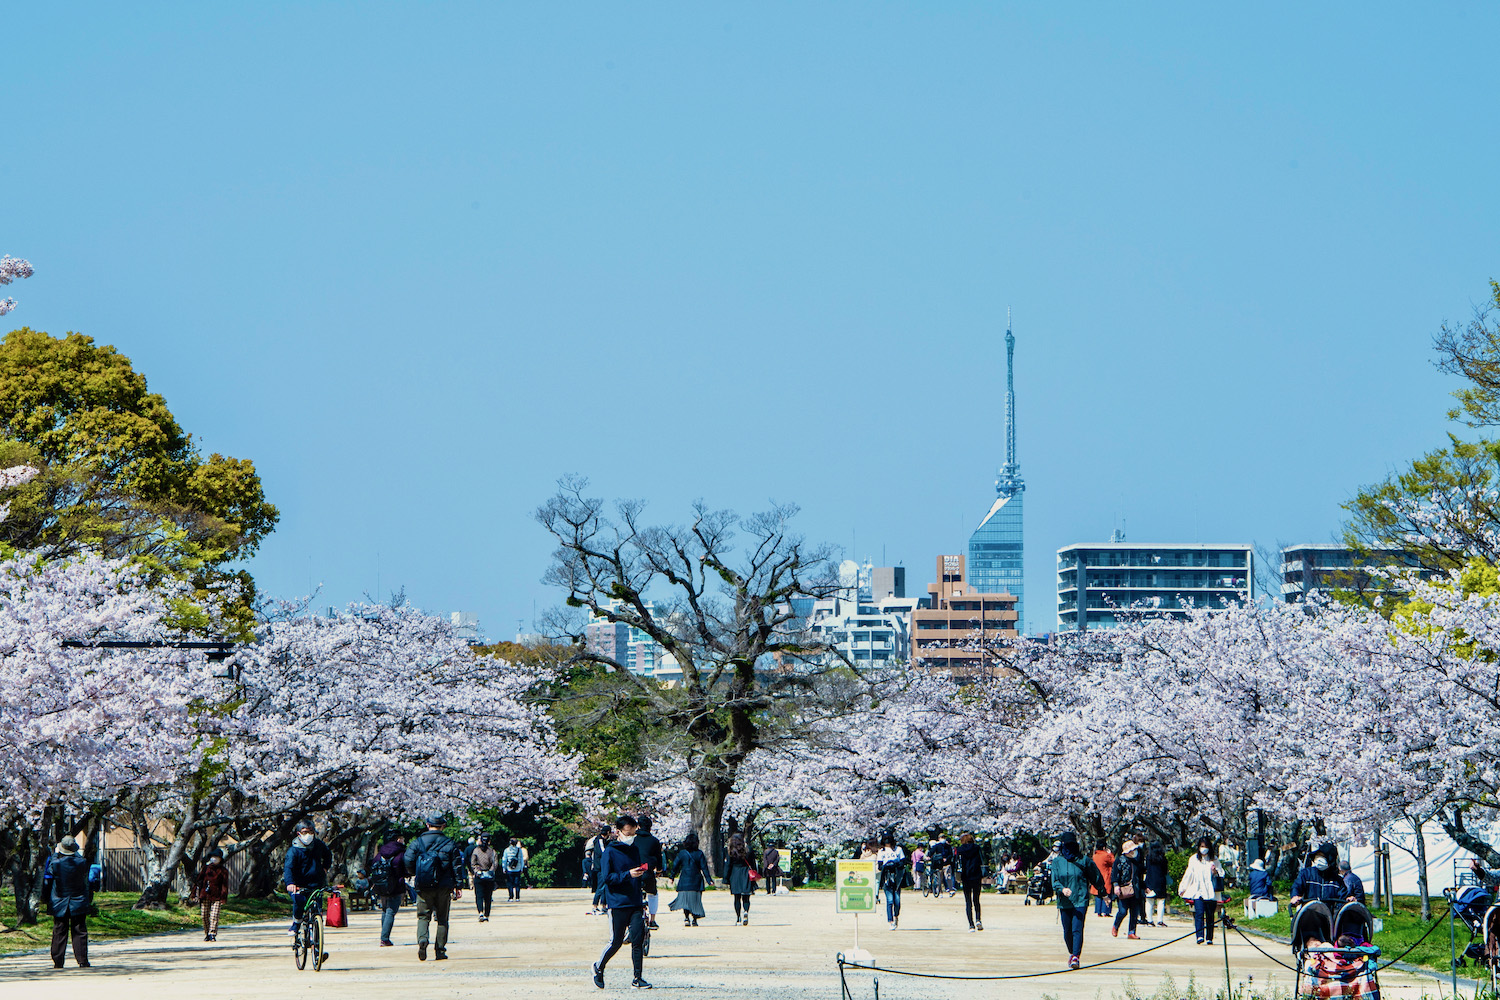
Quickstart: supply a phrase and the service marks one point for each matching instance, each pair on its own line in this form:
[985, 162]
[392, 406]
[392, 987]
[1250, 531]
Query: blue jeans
[1204, 911]
[1101, 906]
[299, 903]
[892, 903]
[388, 907]
[1072, 925]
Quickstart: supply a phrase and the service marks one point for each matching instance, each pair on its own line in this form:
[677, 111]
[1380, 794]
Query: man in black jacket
[649, 850]
[437, 868]
[622, 874]
[71, 899]
[306, 869]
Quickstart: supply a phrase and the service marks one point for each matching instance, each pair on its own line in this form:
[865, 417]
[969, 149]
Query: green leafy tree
[119, 474]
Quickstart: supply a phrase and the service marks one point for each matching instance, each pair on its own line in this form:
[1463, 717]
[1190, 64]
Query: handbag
[754, 875]
[1126, 891]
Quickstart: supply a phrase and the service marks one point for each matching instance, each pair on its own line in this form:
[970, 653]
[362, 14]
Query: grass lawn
[1402, 930]
[117, 920]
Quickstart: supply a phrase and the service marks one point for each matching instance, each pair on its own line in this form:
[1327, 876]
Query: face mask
[213, 861]
[305, 839]
[1320, 864]
[1203, 851]
[627, 841]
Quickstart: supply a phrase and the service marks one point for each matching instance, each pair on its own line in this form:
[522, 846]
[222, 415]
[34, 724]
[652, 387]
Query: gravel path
[543, 945]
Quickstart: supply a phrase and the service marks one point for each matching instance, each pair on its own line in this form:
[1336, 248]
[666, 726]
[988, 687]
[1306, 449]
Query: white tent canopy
[1442, 852]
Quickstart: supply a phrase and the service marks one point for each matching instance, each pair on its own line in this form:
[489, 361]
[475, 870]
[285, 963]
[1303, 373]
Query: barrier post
[1452, 948]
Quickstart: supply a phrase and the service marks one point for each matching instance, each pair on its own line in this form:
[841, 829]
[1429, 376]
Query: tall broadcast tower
[996, 549]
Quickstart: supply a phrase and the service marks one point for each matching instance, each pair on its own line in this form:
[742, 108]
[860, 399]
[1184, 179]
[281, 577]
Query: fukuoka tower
[996, 553]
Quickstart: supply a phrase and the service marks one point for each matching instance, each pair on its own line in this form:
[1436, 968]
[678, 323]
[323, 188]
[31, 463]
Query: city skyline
[425, 265]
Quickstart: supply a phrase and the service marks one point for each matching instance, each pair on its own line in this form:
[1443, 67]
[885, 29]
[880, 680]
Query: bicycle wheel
[299, 944]
[315, 941]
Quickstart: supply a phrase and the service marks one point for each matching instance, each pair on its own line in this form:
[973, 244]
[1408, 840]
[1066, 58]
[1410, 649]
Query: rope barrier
[1290, 968]
[1435, 924]
[1027, 975]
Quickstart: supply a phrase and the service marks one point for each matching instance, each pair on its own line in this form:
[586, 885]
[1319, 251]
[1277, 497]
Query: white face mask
[213, 861]
[1203, 852]
[305, 839]
[627, 840]
[1320, 864]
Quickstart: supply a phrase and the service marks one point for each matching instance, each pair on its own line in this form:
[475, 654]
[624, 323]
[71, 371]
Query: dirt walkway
[543, 945]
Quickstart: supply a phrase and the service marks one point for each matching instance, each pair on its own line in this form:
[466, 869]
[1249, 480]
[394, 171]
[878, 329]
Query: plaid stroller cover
[1350, 973]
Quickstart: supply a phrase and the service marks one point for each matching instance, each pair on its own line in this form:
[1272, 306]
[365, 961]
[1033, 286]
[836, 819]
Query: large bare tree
[717, 595]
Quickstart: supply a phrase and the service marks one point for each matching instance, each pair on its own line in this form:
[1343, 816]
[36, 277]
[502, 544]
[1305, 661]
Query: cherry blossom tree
[12, 268]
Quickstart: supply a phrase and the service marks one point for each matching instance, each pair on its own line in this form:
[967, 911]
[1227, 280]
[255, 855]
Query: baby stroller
[1479, 913]
[1039, 887]
[1331, 940]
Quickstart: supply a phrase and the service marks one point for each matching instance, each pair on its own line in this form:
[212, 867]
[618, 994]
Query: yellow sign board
[854, 886]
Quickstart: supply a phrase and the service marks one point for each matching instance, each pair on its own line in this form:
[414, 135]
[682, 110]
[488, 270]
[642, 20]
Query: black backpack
[381, 881]
[426, 875]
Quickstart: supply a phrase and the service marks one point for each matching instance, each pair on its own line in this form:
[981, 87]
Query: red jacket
[213, 883]
[1105, 861]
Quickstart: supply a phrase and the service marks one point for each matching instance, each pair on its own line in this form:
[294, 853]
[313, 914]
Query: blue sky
[417, 261]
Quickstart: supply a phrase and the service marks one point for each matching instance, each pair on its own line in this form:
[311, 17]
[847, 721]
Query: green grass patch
[117, 920]
[1402, 930]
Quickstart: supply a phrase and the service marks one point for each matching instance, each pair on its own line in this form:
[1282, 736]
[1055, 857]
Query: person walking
[1105, 862]
[626, 903]
[1156, 885]
[969, 863]
[1202, 882]
[593, 864]
[306, 868]
[690, 875]
[890, 873]
[437, 867]
[940, 865]
[1129, 877]
[737, 877]
[649, 850]
[388, 875]
[1073, 875]
[70, 900]
[483, 863]
[918, 866]
[212, 890]
[770, 868]
[513, 862]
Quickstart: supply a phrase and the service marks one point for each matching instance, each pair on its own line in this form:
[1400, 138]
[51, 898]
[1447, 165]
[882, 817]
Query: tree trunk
[26, 880]
[707, 813]
[1454, 827]
[159, 881]
[1421, 852]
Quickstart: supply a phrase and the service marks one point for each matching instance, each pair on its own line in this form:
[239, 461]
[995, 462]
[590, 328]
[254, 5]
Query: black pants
[484, 894]
[738, 899]
[770, 881]
[632, 920]
[1135, 907]
[79, 929]
[1072, 924]
[971, 901]
[513, 884]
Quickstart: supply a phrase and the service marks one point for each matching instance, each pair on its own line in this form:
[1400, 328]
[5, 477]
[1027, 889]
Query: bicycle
[308, 933]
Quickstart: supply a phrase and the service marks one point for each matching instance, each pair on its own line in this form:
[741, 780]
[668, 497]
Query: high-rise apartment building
[996, 549]
[1097, 581]
[1330, 568]
[963, 630]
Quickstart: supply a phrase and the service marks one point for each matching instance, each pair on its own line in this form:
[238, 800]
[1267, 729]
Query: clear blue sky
[416, 261]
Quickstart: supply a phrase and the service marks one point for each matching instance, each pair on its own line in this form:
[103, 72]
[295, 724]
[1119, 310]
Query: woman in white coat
[1203, 883]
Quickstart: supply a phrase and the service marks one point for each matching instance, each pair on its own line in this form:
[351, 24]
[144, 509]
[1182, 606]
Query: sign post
[854, 892]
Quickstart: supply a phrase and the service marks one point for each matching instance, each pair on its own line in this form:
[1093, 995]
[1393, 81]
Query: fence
[123, 868]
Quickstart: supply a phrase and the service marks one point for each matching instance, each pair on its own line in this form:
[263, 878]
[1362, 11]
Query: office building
[869, 619]
[1328, 569]
[996, 562]
[962, 629]
[1098, 581]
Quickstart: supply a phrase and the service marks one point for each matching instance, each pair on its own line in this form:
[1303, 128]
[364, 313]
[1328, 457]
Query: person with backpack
[70, 901]
[483, 863]
[593, 866]
[940, 863]
[437, 867]
[622, 874]
[212, 890]
[306, 869]
[513, 864]
[387, 875]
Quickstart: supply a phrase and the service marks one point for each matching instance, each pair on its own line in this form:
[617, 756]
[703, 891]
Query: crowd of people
[625, 866]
